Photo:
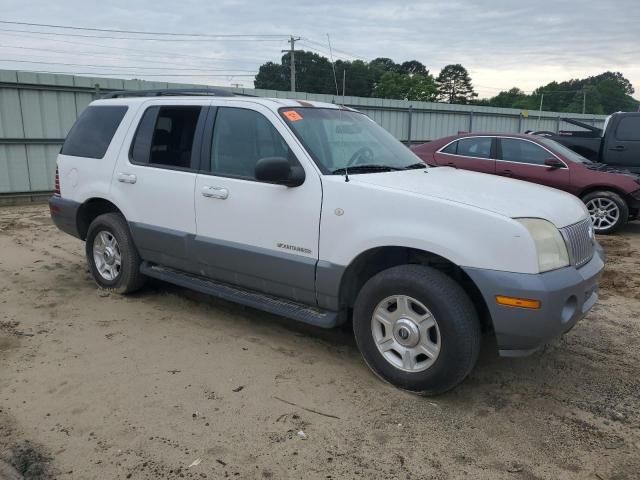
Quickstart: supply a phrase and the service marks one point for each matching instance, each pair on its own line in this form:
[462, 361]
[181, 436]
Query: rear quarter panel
[82, 178]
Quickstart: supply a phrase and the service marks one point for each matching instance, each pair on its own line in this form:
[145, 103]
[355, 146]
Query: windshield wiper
[415, 166]
[365, 169]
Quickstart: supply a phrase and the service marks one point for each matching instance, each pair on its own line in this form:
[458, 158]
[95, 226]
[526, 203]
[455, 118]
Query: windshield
[562, 150]
[340, 139]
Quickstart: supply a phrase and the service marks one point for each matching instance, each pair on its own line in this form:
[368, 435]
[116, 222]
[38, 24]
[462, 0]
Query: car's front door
[525, 160]
[469, 153]
[251, 233]
[622, 146]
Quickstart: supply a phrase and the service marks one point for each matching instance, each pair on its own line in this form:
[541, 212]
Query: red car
[611, 196]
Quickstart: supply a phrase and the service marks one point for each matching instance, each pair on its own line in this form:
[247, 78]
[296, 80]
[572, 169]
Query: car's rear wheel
[608, 211]
[112, 256]
[417, 329]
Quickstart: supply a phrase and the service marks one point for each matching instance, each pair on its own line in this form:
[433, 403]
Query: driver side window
[241, 137]
[522, 151]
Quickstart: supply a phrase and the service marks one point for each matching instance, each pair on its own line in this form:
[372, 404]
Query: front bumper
[566, 295]
[64, 214]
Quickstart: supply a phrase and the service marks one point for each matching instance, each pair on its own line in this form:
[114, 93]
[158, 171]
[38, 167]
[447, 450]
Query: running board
[275, 305]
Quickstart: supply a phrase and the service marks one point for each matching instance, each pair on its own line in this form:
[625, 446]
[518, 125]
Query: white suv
[314, 212]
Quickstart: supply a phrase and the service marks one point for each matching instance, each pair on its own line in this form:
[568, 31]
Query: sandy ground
[99, 386]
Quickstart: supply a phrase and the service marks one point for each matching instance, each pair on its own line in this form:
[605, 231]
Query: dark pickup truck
[616, 144]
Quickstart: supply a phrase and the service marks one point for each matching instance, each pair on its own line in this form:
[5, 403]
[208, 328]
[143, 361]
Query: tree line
[411, 80]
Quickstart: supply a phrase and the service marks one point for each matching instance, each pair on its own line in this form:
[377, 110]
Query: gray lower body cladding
[566, 295]
[64, 214]
[272, 272]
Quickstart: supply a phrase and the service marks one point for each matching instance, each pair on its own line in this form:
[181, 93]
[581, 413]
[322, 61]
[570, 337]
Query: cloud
[502, 43]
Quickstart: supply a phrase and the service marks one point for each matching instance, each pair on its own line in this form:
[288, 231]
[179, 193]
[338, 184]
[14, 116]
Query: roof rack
[216, 92]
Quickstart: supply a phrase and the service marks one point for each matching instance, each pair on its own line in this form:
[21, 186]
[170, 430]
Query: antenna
[333, 65]
[344, 83]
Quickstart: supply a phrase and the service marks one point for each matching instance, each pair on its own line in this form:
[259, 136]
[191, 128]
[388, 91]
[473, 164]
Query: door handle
[127, 178]
[215, 192]
[506, 173]
[619, 148]
[451, 164]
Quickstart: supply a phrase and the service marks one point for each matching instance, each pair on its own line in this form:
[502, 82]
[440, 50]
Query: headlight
[552, 250]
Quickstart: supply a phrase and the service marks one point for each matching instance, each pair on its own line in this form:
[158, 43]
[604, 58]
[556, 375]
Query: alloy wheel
[406, 333]
[604, 212]
[106, 255]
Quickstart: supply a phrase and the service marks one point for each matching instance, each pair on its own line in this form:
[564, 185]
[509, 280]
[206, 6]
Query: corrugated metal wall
[37, 111]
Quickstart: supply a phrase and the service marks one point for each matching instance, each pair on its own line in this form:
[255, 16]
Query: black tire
[128, 278]
[623, 210]
[456, 317]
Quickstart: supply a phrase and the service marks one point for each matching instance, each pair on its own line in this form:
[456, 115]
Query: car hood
[504, 196]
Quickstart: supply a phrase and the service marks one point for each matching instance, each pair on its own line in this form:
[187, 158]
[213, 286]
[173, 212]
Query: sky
[502, 43]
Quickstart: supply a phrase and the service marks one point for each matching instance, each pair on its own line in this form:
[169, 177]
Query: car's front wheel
[417, 329]
[608, 211]
[112, 256]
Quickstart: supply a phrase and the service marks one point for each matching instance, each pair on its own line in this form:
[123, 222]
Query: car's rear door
[525, 160]
[622, 144]
[469, 153]
[155, 178]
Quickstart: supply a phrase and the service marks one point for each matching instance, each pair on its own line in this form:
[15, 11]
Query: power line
[161, 54]
[108, 37]
[113, 66]
[120, 74]
[85, 53]
[334, 50]
[324, 53]
[139, 32]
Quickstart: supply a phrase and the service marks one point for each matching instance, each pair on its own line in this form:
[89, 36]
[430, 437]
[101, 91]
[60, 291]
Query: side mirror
[278, 170]
[554, 163]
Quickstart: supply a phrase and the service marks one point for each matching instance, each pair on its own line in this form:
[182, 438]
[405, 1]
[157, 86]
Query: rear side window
[241, 137]
[475, 147]
[92, 133]
[165, 136]
[629, 128]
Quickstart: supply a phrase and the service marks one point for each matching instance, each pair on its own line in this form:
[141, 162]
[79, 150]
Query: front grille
[580, 242]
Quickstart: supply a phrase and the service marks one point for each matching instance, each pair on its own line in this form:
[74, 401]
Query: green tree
[314, 74]
[358, 79]
[378, 67]
[406, 87]
[612, 92]
[605, 93]
[413, 67]
[513, 98]
[272, 76]
[454, 85]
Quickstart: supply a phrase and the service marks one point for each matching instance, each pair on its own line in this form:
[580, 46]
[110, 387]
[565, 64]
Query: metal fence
[37, 110]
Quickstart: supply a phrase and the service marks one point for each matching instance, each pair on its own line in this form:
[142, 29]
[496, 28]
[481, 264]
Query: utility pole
[292, 54]
[344, 83]
[584, 100]
[540, 111]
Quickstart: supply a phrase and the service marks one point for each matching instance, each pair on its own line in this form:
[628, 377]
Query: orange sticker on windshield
[292, 115]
